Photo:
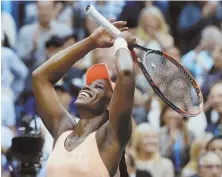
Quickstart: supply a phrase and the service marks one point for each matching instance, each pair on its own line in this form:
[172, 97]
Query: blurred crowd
[163, 143]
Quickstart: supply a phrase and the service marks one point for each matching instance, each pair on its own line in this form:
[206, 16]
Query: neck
[90, 124]
[146, 155]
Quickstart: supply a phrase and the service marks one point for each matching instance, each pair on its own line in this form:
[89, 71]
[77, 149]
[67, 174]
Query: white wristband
[120, 43]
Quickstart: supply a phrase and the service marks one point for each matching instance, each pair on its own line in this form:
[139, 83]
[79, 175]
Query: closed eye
[99, 86]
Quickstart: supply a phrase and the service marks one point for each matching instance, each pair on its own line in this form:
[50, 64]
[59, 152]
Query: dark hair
[54, 41]
[122, 166]
[212, 140]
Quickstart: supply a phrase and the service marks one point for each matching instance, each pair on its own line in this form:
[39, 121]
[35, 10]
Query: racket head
[170, 81]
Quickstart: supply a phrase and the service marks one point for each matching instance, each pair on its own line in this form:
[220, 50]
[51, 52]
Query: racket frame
[157, 90]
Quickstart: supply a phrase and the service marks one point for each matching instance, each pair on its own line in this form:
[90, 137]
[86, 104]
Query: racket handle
[102, 21]
[134, 55]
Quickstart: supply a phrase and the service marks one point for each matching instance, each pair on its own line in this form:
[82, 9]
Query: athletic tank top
[83, 161]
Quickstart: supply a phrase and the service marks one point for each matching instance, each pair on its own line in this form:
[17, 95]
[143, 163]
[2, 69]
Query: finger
[112, 41]
[108, 41]
[111, 20]
[124, 29]
[119, 24]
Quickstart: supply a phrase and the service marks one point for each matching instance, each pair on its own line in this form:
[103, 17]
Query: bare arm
[122, 100]
[53, 114]
[43, 78]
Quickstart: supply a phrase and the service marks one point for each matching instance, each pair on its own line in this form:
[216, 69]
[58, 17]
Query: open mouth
[85, 94]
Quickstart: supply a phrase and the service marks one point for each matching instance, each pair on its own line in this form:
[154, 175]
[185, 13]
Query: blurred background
[163, 143]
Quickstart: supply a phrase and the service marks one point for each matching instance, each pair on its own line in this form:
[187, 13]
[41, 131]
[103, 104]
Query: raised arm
[53, 114]
[123, 97]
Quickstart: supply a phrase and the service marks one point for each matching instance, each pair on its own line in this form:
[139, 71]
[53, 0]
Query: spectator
[194, 17]
[198, 147]
[14, 73]
[9, 28]
[199, 61]
[32, 38]
[130, 13]
[213, 76]
[151, 23]
[209, 165]
[8, 116]
[147, 157]
[70, 40]
[215, 145]
[215, 73]
[109, 9]
[175, 138]
[215, 102]
[30, 12]
[53, 46]
[63, 12]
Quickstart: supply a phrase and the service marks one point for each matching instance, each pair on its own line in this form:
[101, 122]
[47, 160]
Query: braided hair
[122, 166]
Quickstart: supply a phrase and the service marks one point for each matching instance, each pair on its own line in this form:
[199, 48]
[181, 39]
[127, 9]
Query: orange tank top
[83, 161]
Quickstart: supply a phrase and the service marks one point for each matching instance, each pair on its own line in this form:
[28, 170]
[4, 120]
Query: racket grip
[134, 55]
[102, 21]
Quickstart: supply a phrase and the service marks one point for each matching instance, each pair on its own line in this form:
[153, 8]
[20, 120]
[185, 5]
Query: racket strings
[173, 82]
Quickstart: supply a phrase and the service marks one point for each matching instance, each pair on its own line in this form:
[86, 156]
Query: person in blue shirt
[193, 18]
[199, 60]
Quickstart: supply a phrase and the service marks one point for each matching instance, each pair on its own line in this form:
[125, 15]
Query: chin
[82, 103]
[89, 105]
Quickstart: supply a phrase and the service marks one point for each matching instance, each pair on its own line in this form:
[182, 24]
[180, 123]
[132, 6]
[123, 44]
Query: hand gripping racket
[168, 78]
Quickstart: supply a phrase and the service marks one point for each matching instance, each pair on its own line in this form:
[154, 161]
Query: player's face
[95, 97]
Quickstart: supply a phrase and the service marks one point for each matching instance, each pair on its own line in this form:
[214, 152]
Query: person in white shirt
[32, 37]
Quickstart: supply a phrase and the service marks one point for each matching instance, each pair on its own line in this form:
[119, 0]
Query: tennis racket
[168, 78]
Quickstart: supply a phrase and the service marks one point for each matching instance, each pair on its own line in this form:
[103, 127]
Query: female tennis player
[94, 147]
